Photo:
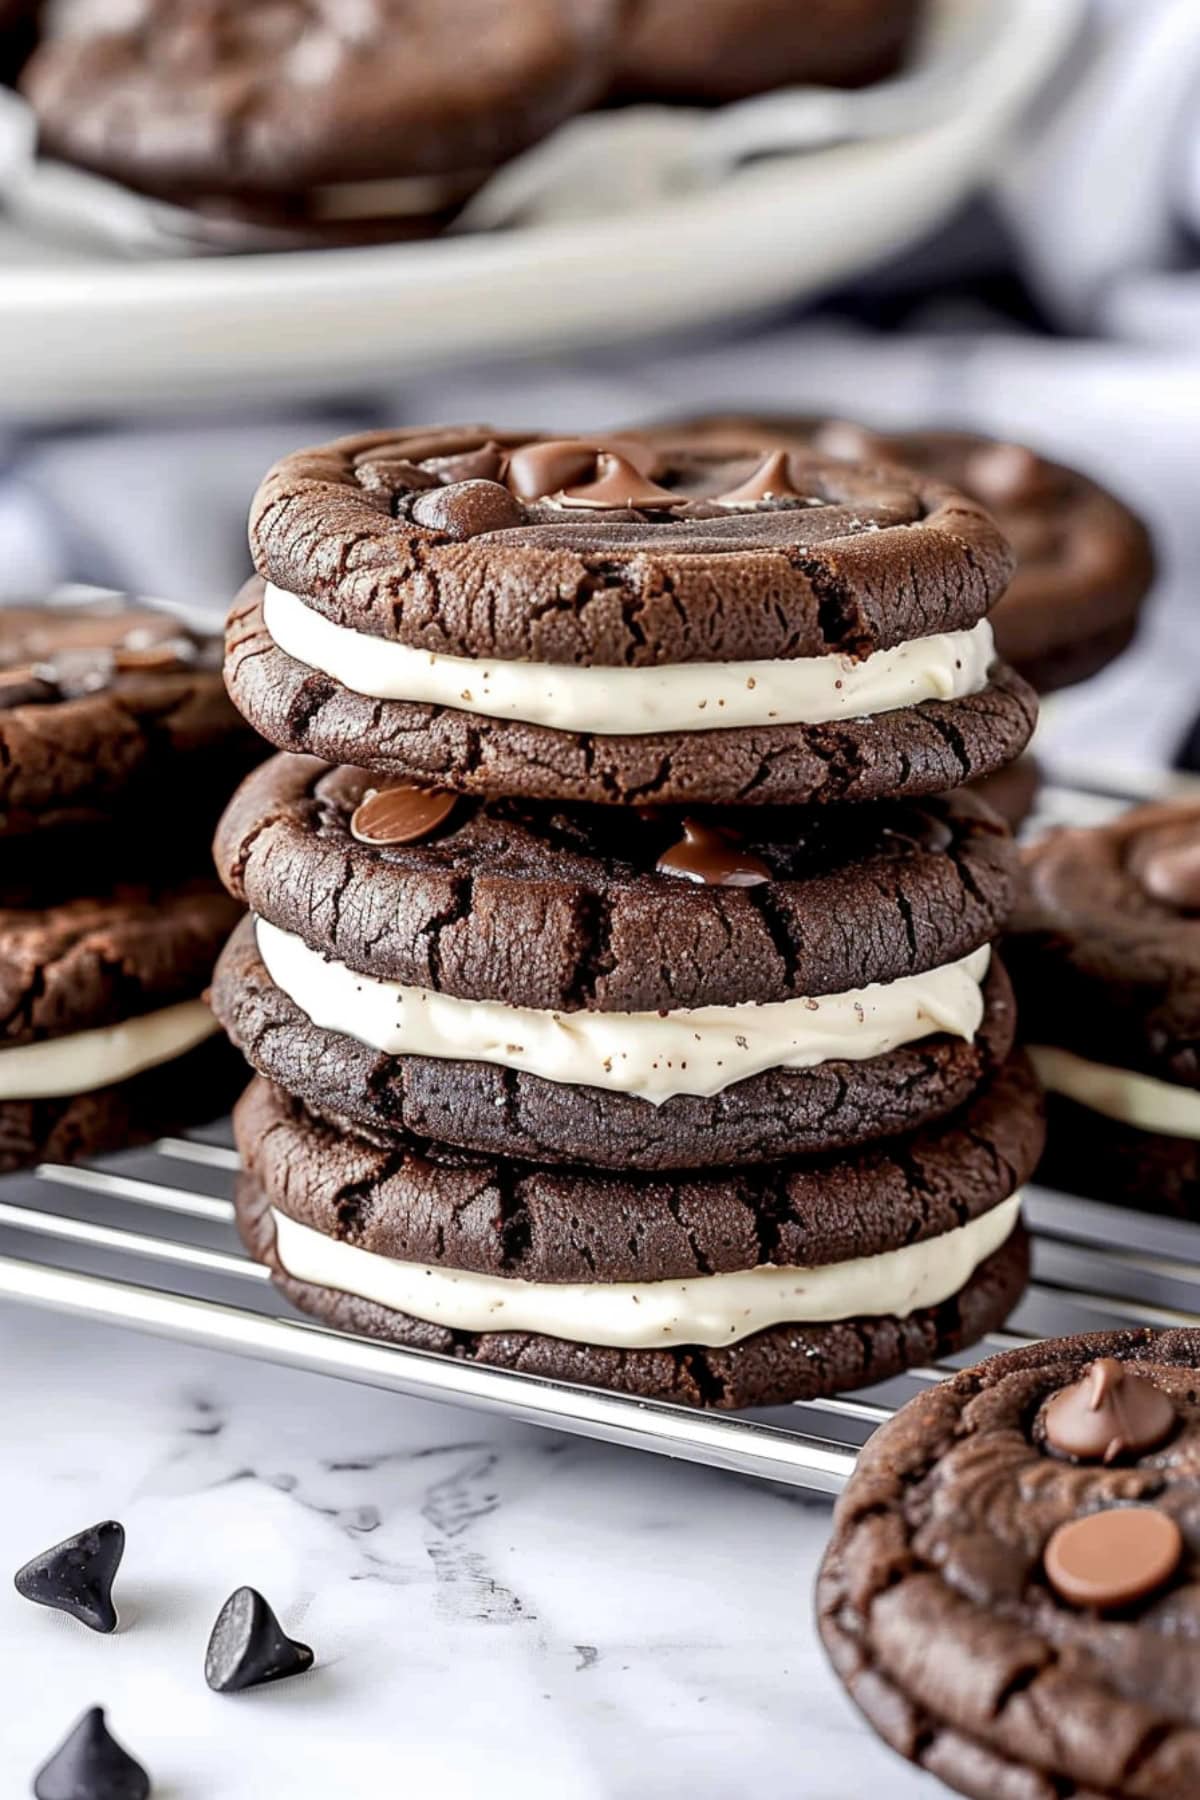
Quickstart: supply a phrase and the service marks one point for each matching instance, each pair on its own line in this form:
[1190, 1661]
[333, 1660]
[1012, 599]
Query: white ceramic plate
[84, 329]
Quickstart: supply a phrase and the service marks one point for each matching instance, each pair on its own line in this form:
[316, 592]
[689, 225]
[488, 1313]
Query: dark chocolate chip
[1112, 1412]
[401, 815]
[91, 1765]
[249, 1646]
[712, 856]
[76, 1576]
[1112, 1559]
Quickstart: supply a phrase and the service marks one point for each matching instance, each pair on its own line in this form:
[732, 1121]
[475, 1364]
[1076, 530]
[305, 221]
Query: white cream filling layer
[1121, 1094]
[679, 697]
[699, 1050]
[86, 1060]
[706, 1309]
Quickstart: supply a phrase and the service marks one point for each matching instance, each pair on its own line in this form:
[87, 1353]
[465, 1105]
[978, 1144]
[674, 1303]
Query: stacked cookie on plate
[619, 975]
[117, 747]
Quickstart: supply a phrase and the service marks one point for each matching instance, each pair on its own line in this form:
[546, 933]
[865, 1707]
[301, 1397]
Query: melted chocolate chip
[401, 815]
[771, 480]
[484, 464]
[1167, 864]
[1108, 1560]
[1007, 475]
[536, 470]
[1112, 1412]
[616, 482]
[711, 855]
[466, 509]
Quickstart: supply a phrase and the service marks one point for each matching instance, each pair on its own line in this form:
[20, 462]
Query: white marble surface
[495, 1610]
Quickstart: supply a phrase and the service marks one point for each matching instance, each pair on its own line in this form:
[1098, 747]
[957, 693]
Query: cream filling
[1121, 1094]
[699, 1050]
[392, 197]
[809, 690]
[86, 1060]
[706, 1309]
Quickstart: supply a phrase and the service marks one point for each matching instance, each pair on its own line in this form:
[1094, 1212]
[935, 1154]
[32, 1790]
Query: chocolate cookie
[104, 1035]
[109, 707]
[1010, 1594]
[624, 622]
[1084, 561]
[582, 986]
[1105, 954]
[1011, 792]
[379, 111]
[730, 49]
[683, 1287]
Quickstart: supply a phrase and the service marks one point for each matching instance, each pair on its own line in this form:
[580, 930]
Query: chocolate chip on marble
[91, 1765]
[712, 856]
[400, 815]
[249, 1646]
[76, 1576]
[1112, 1412]
[1112, 1559]
[467, 509]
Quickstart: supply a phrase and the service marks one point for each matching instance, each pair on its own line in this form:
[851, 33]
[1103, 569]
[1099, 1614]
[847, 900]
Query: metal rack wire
[146, 1240]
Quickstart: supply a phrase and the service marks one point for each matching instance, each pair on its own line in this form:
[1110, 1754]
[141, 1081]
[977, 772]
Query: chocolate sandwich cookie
[641, 991]
[334, 121]
[1084, 561]
[739, 1289]
[1010, 1594]
[621, 622]
[111, 707]
[104, 1035]
[729, 49]
[1105, 955]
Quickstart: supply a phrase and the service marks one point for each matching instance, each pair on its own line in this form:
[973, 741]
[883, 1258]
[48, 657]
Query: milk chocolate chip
[1167, 864]
[713, 857]
[1111, 1559]
[401, 815]
[1112, 1412]
[769, 481]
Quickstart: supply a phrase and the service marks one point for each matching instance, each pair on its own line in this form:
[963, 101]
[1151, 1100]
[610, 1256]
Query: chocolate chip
[484, 464]
[249, 1646]
[1007, 475]
[711, 855]
[770, 480]
[466, 509]
[91, 1765]
[76, 1576]
[1108, 1560]
[1112, 1412]
[1167, 864]
[401, 815]
[616, 482]
[536, 470]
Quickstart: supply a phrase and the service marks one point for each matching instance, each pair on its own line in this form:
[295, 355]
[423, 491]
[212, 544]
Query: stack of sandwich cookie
[118, 748]
[1106, 953]
[608, 1053]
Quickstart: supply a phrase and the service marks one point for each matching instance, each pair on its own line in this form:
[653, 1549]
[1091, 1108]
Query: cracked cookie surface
[940, 1608]
[432, 1206]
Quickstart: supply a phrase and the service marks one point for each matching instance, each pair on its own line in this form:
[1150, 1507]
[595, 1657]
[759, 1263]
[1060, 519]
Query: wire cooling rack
[146, 1239]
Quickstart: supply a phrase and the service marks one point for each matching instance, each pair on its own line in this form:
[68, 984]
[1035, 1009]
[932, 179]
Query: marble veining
[496, 1610]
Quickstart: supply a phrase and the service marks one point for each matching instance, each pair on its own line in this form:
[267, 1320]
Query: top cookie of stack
[617, 621]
